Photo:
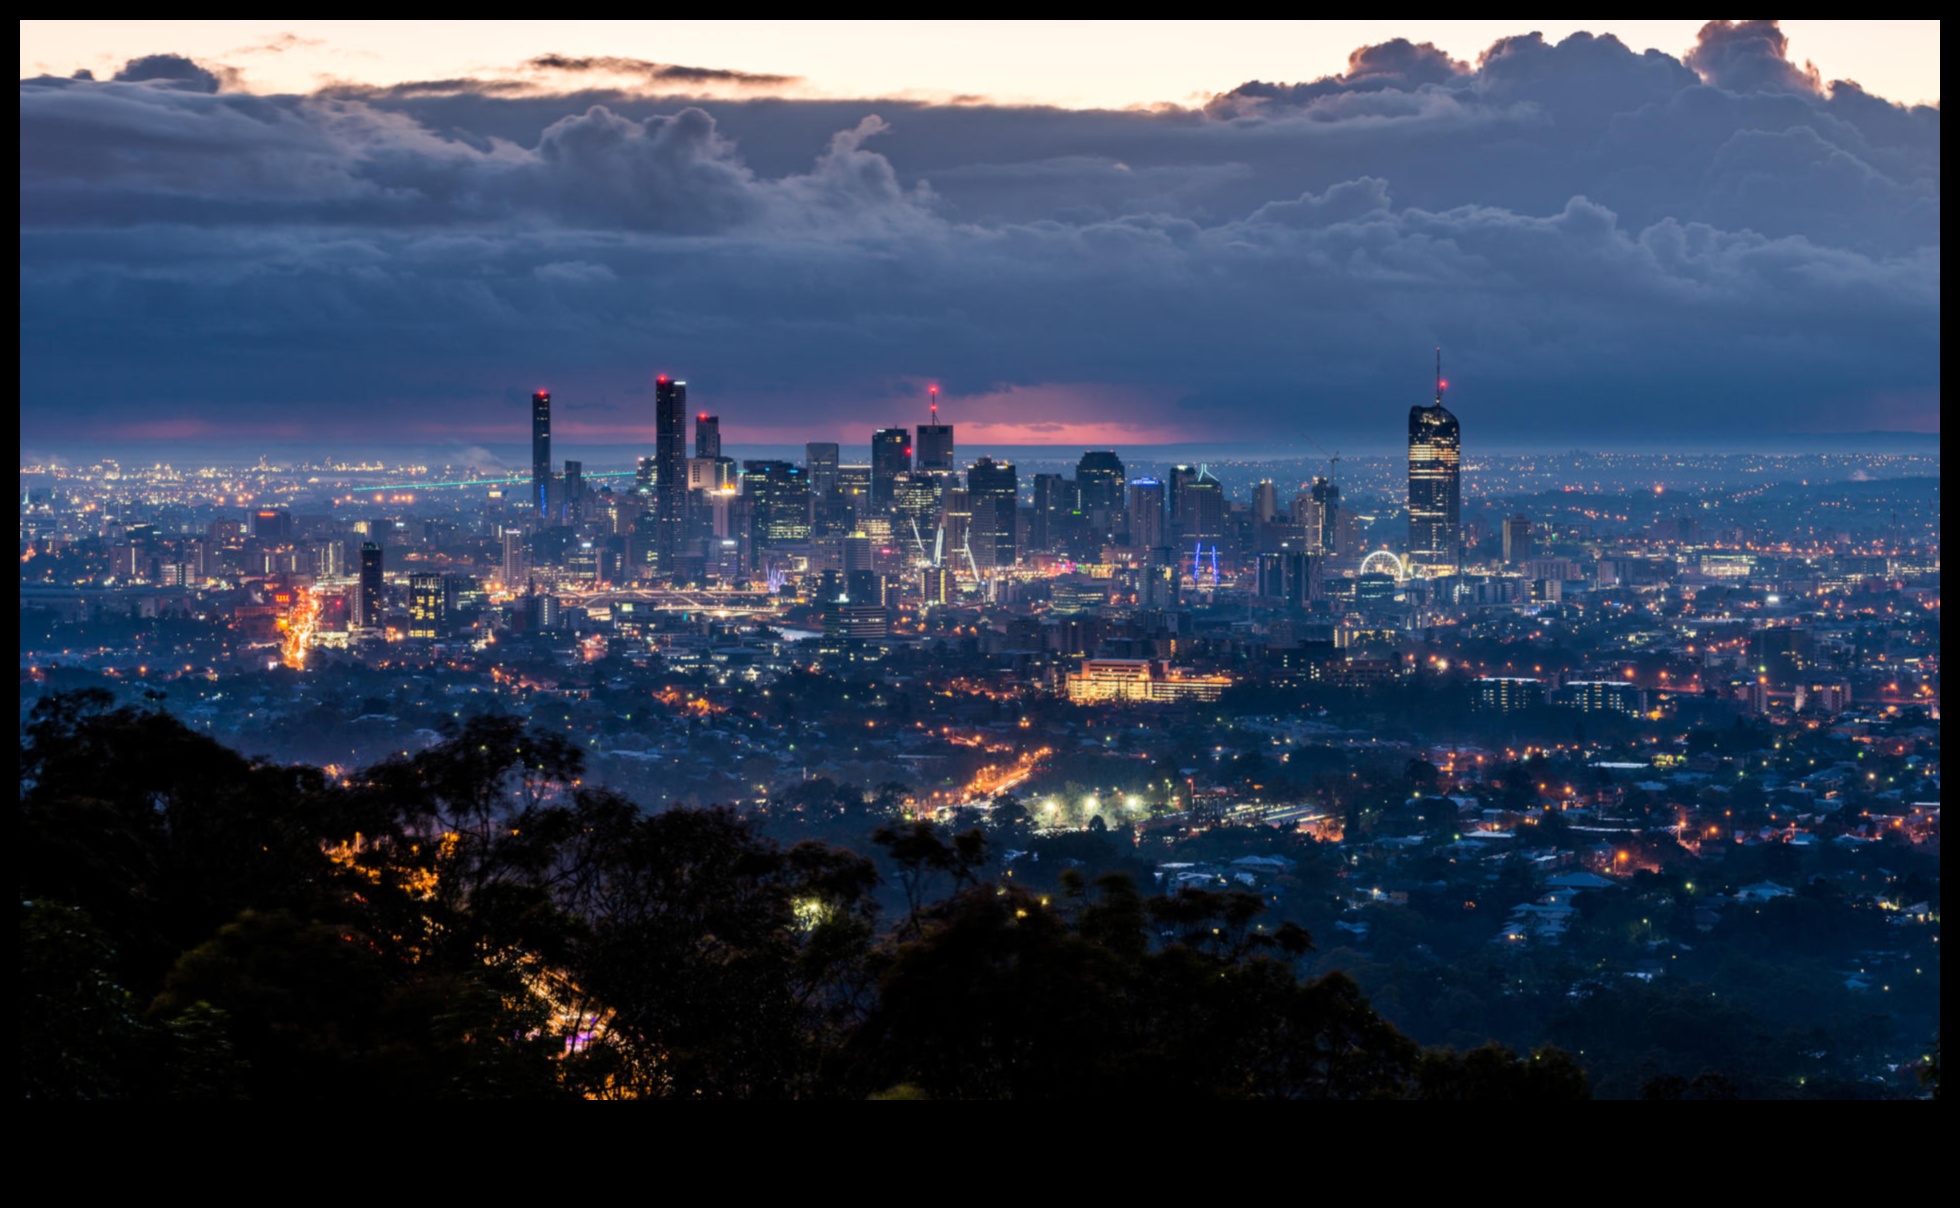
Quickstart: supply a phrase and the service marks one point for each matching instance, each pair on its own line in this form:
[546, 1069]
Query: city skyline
[1400, 572]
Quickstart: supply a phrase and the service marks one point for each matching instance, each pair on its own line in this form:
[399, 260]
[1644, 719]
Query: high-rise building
[916, 499]
[779, 501]
[1435, 483]
[993, 488]
[1265, 501]
[1099, 479]
[1054, 512]
[891, 455]
[670, 473]
[517, 561]
[273, 526]
[1201, 508]
[1147, 514]
[854, 489]
[707, 434]
[935, 447]
[1319, 508]
[820, 456]
[368, 607]
[425, 605]
[574, 493]
[1517, 539]
[541, 455]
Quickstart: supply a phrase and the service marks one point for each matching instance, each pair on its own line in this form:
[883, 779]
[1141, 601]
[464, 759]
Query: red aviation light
[703, 416]
[1442, 384]
[662, 379]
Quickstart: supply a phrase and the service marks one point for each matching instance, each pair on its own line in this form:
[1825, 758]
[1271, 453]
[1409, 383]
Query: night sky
[1610, 246]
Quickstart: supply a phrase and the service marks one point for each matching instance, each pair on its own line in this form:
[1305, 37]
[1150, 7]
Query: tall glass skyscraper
[891, 455]
[1147, 514]
[670, 472]
[1435, 483]
[707, 434]
[541, 454]
[935, 448]
[1099, 478]
[992, 486]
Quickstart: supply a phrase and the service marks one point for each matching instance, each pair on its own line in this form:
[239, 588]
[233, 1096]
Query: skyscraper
[425, 606]
[992, 487]
[574, 492]
[935, 447]
[1054, 512]
[517, 560]
[368, 602]
[1147, 514]
[891, 455]
[1265, 501]
[670, 472]
[1099, 478]
[1517, 539]
[1321, 516]
[707, 433]
[1201, 508]
[821, 458]
[779, 500]
[1435, 482]
[541, 455]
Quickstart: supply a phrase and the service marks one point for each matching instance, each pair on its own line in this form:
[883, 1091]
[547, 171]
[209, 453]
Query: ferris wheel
[1384, 562]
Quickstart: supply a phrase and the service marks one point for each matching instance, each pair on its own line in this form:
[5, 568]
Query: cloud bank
[1609, 245]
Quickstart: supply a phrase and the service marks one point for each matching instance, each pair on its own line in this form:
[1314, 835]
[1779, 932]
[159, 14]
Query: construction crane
[1333, 459]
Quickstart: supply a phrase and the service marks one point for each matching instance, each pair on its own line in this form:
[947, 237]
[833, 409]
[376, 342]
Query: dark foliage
[471, 922]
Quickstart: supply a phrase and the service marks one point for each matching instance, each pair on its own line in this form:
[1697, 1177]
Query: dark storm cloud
[1608, 243]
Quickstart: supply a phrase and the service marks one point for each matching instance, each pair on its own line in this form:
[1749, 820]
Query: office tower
[517, 562]
[1147, 514]
[820, 456]
[935, 447]
[916, 499]
[1517, 539]
[1435, 482]
[1347, 534]
[779, 501]
[643, 476]
[272, 526]
[1265, 501]
[1174, 484]
[956, 518]
[1200, 507]
[574, 493]
[993, 488]
[891, 455]
[541, 454]
[425, 606]
[854, 489]
[1054, 512]
[707, 433]
[1319, 515]
[368, 611]
[670, 472]
[1099, 479]
[1288, 576]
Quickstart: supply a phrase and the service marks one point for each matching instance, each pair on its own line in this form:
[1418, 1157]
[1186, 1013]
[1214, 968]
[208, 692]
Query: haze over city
[1015, 561]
